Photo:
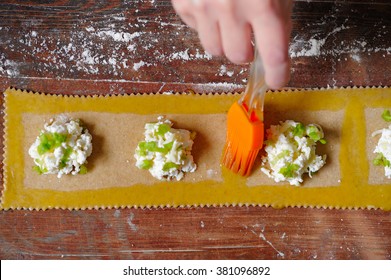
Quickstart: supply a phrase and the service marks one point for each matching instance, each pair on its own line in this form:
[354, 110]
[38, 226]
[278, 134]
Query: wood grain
[115, 47]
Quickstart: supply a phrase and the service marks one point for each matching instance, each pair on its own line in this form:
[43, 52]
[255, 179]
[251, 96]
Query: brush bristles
[244, 140]
[238, 160]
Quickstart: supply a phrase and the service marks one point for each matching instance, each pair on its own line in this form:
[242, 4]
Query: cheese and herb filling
[290, 151]
[383, 147]
[165, 152]
[62, 147]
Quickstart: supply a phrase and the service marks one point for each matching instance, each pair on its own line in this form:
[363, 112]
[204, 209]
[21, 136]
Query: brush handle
[254, 94]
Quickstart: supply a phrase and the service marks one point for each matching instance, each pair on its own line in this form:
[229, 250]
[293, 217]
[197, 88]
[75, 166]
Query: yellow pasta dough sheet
[116, 123]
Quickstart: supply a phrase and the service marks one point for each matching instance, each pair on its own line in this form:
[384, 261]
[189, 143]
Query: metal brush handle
[254, 94]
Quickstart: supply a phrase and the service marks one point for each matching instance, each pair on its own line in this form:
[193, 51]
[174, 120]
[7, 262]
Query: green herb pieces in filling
[65, 157]
[163, 129]
[386, 115]
[299, 130]
[315, 134]
[50, 141]
[380, 159]
[83, 169]
[146, 164]
[169, 165]
[289, 170]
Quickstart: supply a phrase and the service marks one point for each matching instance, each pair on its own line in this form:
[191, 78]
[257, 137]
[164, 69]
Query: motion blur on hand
[225, 28]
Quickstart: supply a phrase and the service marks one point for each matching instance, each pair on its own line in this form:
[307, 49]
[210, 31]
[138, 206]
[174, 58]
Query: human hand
[225, 27]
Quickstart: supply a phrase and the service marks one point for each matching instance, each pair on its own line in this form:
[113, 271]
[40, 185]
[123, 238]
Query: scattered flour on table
[356, 57]
[185, 55]
[223, 71]
[112, 46]
[117, 213]
[182, 55]
[314, 46]
[138, 65]
[111, 49]
[218, 87]
[129, 221]
[279, 253]
[10, 67]
[119, 36]
[261, 235]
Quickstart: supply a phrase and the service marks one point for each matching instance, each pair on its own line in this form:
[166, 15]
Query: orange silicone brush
[245, 129]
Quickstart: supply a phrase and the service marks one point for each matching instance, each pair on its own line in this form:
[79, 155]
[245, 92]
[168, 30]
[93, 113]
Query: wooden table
[114, 47]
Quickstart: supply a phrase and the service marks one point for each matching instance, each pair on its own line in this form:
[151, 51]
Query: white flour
[94, 49]
[112, 46]
[314, 46]
[218, 87]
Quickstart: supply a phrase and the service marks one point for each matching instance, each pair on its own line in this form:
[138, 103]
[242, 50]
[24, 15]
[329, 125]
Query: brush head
[244, 140]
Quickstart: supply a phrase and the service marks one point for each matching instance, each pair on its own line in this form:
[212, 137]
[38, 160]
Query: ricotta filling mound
[62, 147]
[383, 150]
[290, 151]
[165, 152]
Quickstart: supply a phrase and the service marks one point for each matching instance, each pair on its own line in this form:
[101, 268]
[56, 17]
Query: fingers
[208, 29]
[196, 14]
[274, 53]
[235, 37]
[272, 39]
[224, 27]
[222, 31]
[183, 9]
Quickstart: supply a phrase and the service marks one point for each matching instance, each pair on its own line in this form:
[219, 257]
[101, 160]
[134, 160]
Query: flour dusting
[138, 65]
[218, 87]
[112, 49]
[312, 46]
[305, 45]
[224, 72]
[263, 237]
[129, 221]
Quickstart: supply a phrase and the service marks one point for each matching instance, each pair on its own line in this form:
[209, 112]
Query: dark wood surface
[114, 47]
